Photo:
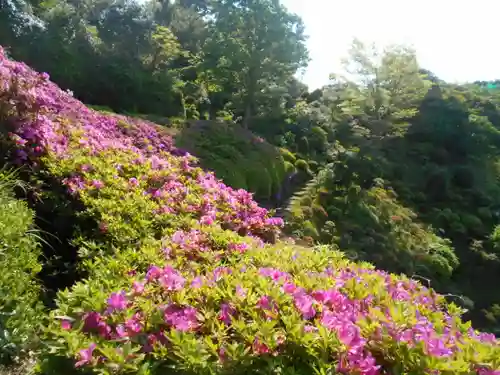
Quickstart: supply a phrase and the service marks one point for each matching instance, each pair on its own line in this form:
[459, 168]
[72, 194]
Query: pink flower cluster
[44, 119]
[336, 311]
[331, 308]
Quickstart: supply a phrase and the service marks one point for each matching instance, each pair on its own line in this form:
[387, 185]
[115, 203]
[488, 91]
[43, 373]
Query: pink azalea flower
[305, 304]
[133, 325]
[121, 331]
[240, 292]
[91, 321]
[171, 279]
[65, 324]
[117, 301]
[138, 287]
[226, 312]
[182, 319]
[259, 347]
[153, 273]
[197, 282]
[98, 184]
[85, 355]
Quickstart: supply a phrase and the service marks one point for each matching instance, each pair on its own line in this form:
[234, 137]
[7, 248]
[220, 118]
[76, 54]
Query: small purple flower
[240, 292]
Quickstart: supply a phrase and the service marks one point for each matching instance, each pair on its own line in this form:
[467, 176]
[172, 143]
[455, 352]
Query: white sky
[456, 40]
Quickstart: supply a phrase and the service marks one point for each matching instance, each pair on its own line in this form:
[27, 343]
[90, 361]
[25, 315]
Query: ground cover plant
[185, 275]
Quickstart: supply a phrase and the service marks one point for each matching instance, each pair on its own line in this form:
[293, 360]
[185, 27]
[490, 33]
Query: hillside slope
[178, 277]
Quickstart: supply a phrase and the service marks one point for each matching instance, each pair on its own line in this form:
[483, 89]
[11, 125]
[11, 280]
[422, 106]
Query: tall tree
[255, 43]
[383, 89]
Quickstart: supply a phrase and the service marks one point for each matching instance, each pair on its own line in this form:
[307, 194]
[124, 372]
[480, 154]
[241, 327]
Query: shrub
[282, 308]
[20, 310]
[237, 156]
[289, 168]
[374, 225]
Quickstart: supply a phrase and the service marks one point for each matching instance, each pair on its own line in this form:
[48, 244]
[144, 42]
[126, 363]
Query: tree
[382, 88]
[254, 44]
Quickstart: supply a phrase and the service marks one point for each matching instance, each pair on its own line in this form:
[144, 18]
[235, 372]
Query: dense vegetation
[20, 304]
[141, 262]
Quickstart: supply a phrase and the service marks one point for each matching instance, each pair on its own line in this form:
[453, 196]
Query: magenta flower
[138, 287]
[85, 355]
[207, 219]
[305, 304]
[98, 184]
[238, 247]
[154, 273]
[171, 279]
[289, 288]
[222, 355]
[117, 301]
[259, 347]
[65, 324]
[241, 292]
[121, 331]
[275, 222]
[86, 168]
[133, 325]
[197, 283]
[226, 312]
[182, 319]
[91, 321]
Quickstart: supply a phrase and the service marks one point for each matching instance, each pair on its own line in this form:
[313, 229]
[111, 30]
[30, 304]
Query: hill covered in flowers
[174, 272]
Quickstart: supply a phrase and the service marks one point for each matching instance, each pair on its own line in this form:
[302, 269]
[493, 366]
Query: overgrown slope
[178, 278]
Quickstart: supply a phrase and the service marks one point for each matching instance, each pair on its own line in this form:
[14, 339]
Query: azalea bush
[125, 171]
[185, 275]
[274, 309]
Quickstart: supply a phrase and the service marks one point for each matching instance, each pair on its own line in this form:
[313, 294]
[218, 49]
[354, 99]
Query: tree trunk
[247, 115]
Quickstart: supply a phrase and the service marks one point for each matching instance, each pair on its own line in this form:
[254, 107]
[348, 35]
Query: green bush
[374, 225]
[20, 310]
[179, 279]
[237, 156]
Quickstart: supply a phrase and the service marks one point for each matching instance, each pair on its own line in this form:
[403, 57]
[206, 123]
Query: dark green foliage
[21, 312]
[373, 225]
[237, 156]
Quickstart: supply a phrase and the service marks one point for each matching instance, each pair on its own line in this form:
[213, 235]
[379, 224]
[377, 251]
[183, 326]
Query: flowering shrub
[179, 279]
[125, 171]
[279, 308]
